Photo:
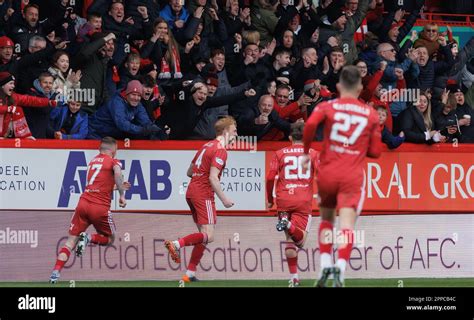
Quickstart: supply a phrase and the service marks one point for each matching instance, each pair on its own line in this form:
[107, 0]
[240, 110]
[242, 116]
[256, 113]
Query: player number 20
[343, 125]
[295, 163]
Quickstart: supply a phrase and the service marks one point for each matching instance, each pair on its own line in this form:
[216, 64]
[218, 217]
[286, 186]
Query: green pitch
[408, 282]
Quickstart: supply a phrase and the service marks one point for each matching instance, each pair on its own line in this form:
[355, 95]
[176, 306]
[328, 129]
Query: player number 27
[295, 163]
[343, 125]
[96, 169]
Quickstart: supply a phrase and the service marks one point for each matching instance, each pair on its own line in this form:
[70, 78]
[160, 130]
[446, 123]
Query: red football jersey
[100, 179]
[212, 154]
[294, 188]
[351, 132]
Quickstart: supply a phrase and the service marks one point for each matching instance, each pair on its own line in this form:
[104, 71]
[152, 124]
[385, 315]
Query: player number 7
[96, 168]
[345, 126]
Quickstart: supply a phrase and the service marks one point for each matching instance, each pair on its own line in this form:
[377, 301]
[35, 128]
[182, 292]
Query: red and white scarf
[165, 70]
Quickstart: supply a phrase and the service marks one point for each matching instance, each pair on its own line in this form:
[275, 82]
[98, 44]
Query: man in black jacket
[93, 60]
[261, 119]
[29, 25]
[29, 71]
[10, 63]
[430, 69]
[465, 114]
[248, 67]
[38, 118]
[183, 114]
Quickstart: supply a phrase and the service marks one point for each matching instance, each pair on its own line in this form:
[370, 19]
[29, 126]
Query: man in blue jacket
[124, 116]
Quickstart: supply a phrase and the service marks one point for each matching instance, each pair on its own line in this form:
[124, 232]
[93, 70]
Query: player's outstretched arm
[375, 143]
[121, 185]
[311, 125]
[216, 186]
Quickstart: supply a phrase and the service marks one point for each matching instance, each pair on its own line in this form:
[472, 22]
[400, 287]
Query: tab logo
[157, 186]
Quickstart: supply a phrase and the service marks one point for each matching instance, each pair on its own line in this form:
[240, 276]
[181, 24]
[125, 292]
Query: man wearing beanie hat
[6, 54]
[124, 116]
[212, 83]
[28, 65]
[6, 77]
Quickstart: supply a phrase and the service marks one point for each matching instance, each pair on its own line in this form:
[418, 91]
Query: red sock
[193, 239]
[292, 262]
[196, 255]
[344, 251]
[59, 263]
[100, 239]
[296, 234]
[324, 228]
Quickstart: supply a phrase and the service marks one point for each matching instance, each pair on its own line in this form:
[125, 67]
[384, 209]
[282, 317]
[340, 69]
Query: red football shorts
[300, 220]
[203, 210]
[348, 193]
[88, 213]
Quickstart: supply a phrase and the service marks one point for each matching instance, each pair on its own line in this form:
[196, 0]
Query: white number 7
[96, 168]
[344, 126]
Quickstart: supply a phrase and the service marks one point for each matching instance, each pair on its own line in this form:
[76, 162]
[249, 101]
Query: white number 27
[343, 125]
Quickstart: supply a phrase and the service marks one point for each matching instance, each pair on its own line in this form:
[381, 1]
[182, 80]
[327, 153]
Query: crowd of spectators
[168, 69]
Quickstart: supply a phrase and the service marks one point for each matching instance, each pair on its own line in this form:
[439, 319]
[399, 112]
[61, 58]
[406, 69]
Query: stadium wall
[390, 246]
[418, 218]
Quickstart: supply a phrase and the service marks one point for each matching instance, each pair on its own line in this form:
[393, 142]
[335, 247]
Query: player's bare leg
[85, 239]
[63, 257]
[199, 241]
[347, 219]
[198, 252]
[325, 238]
[291, 254]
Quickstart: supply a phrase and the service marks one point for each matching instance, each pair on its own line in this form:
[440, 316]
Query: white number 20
[294, 163]
[343, 127]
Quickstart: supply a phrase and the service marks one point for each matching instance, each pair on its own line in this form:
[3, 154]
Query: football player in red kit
[104, 172]
[205, 172]
[294, 195]
[351, 132]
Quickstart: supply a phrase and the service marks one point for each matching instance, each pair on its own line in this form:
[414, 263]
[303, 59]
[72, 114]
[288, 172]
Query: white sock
[190, 273]
[176, 244]
[341, 263]
[326, 261]
[294, 276]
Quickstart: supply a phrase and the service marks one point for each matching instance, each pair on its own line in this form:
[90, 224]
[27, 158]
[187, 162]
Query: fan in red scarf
[170, 66]
[12, 119]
